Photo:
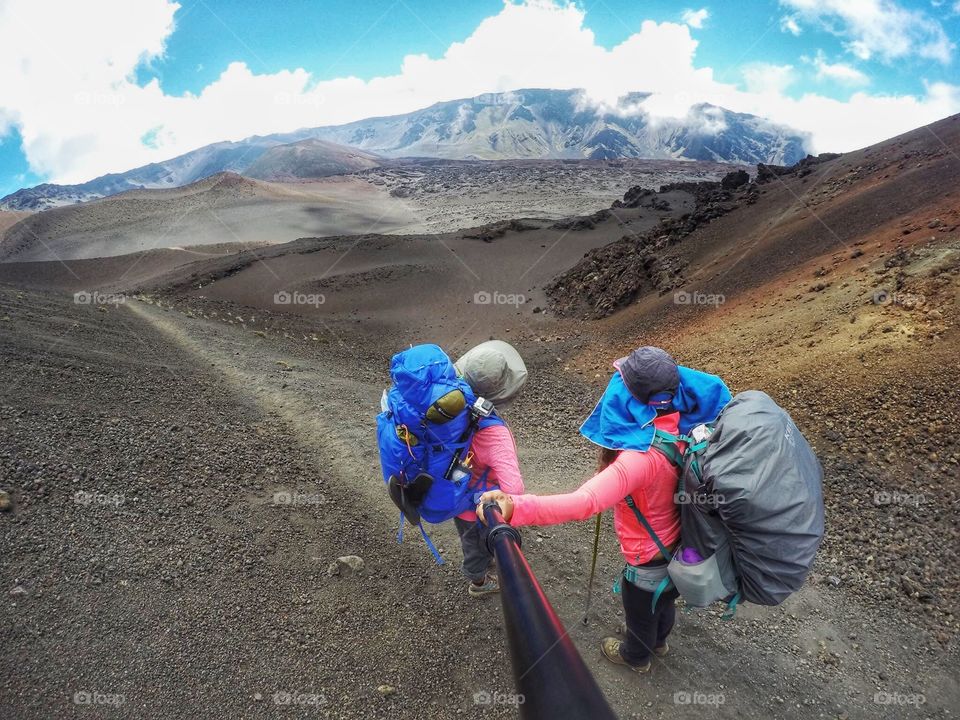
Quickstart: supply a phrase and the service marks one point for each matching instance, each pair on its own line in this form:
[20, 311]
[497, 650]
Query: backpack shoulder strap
[646, 526]
[490, 421]
[666, 582]
[668, 444]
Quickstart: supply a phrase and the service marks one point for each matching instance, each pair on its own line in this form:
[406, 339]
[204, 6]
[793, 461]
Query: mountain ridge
[524, 124]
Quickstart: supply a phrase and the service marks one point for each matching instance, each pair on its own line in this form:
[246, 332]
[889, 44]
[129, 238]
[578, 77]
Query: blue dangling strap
[483, 488]
[426, 538]
[430, 545]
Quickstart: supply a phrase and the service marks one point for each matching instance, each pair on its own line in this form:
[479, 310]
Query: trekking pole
[593, 568]
[552, 680]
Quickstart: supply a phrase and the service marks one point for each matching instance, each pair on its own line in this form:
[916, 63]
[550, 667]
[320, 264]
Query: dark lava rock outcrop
[613, 276]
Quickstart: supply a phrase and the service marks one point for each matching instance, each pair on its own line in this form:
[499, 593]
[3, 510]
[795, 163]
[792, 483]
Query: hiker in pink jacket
[493, 448]
[645, 386]
[496, 372]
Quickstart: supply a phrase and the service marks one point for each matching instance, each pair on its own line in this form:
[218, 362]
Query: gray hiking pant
[476, 558]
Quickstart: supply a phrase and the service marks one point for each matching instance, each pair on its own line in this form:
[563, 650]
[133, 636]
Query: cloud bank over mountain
[81, 113]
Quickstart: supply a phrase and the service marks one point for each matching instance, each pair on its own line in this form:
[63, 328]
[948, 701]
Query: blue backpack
[429, 418]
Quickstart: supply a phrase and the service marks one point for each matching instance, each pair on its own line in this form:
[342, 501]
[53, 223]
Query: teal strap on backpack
[664, 585]
[646, 526]
[731, 608]
[666, 582]
[667, 444]
[631, 576]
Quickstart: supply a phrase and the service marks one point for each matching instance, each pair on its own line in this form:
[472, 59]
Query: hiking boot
[610, 647]
[489, 586]
[662, 650]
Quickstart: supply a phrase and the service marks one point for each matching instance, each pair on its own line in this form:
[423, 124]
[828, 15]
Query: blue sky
[118, 83]
[338, 37]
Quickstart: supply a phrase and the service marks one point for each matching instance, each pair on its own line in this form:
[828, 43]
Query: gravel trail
[179, 487]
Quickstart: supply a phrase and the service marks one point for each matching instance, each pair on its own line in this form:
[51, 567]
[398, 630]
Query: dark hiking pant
[476, 558]
[647, 627]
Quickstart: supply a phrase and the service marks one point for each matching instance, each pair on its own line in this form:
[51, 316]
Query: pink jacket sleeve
[630, 471]
[494, 447]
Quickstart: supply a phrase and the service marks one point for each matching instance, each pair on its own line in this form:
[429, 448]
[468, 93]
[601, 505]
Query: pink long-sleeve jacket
[648, 476]
[494, 448]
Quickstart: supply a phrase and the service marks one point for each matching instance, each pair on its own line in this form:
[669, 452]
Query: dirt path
[816, 656]
[151, 569]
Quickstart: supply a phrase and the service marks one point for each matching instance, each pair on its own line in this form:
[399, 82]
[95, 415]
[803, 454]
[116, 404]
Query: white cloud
[765, 78]
[788, 23]
[836, 72]
[72, 95]
[880, 28]
[695, 18]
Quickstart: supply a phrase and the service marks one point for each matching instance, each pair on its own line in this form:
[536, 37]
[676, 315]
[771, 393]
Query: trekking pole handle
[498, 526]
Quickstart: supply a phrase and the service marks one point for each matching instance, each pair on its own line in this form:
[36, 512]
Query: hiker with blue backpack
[442, 443]
[714, 499]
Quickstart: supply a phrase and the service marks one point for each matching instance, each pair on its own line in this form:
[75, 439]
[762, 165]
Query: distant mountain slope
[311, 158]
[556, 124]
[235, 157]
[543, 124]
[892, 194]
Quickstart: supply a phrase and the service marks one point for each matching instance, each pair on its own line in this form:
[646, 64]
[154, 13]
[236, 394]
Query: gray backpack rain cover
[755, 511]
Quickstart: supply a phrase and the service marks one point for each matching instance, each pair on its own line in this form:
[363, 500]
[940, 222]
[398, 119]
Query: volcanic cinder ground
[185, 453]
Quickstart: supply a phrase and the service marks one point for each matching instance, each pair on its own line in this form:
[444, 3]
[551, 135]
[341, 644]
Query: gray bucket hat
[495, 371]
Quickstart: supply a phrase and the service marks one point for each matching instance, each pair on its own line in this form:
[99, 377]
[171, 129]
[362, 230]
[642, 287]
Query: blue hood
[621, 422]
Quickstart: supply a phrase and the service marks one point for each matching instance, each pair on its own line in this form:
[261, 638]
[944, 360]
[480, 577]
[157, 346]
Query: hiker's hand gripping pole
[499, 498]
[493, 517]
